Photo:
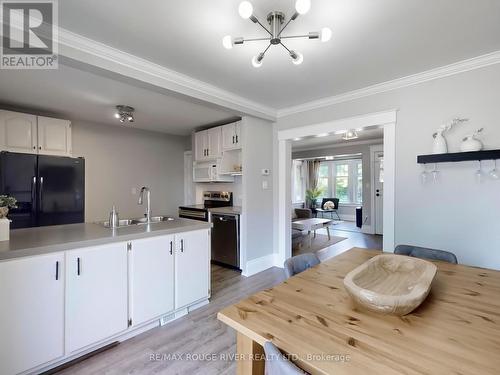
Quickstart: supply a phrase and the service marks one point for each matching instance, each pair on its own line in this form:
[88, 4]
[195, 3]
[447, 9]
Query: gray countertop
[234, 210]
[44, 240]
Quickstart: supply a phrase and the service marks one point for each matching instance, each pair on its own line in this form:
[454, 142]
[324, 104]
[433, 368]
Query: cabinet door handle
[233, 139]
[236, 139]
[171, 248]
[78, 266]
[57, 270]
[182, 246]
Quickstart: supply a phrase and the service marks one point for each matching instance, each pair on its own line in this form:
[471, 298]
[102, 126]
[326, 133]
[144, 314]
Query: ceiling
[373, 41]
[336, 140]
[80, 95]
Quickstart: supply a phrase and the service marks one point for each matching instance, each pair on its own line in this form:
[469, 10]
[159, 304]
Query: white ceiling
[373, 41]
[79, 95]
[336, 140]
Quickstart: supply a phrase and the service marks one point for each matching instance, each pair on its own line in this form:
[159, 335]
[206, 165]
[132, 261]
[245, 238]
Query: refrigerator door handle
[33, 193]
[40, 195]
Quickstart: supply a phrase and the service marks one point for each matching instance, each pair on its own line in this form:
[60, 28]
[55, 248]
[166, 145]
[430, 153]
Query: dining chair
[277, 363]
[300, 263]
[423, 252]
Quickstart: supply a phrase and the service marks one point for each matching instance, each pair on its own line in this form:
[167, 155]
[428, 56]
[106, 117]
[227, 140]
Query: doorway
[386, 120]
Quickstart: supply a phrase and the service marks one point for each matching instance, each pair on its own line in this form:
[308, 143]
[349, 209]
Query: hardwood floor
[198, 333]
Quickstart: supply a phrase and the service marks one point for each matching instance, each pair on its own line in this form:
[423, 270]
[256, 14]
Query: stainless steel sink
[140, 221]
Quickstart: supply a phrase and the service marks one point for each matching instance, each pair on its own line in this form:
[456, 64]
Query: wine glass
[479, 173]
[424, 176]
[435, 174]
[494, 173]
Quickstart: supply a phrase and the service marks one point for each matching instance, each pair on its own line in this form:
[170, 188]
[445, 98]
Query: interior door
[32, 312]
[379, 192]
[18, 132]
[96, 294]
[152, 278]
[18, 179]
[191, 258]
[54, 136]
[61, 190]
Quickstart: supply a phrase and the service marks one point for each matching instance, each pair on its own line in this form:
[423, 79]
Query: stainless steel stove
[211, 199]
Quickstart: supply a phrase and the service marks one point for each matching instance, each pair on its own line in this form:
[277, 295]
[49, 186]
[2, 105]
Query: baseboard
[255, 266]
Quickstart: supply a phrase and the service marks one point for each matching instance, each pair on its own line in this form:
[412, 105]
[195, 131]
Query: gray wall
[456, 214]
[364, 149]
[257, 154]
[119, 159]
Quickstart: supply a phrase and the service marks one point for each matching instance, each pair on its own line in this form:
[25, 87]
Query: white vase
[4, 229]
[471, 144]
[440, 146]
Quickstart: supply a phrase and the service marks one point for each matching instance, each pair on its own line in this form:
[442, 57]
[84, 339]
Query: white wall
[257, 225]
[456, 214]
[118, 159]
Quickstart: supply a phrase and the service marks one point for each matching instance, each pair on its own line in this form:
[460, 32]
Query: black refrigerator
[50, 190]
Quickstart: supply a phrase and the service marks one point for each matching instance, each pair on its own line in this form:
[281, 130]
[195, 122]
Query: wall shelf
[459, 156]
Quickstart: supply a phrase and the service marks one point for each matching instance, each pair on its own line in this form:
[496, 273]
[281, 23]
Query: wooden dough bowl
[391, 284]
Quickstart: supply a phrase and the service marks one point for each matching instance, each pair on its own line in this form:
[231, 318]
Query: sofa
[299, 214]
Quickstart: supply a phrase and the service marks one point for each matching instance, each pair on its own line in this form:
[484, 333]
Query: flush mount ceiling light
[277, 25]
[125, 113]
[350, 134]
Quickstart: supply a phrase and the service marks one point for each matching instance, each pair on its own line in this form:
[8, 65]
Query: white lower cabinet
[96, 294]
[192, 265]
[151, 278]
[32, 312]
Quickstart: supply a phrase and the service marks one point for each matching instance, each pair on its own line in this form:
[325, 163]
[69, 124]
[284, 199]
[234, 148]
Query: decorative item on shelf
[471, 142]
[312, 196]
[6, 202]
[440, 146]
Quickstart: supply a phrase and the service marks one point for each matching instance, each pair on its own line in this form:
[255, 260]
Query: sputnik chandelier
[277, 24]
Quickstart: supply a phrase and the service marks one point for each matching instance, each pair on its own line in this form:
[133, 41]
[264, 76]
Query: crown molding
[415, 79]
[81, 49]
[371, 141]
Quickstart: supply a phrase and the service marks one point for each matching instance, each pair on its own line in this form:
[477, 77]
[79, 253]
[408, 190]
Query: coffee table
[312, 225]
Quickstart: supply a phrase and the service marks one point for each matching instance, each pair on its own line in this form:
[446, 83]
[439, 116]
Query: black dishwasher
[226, 240]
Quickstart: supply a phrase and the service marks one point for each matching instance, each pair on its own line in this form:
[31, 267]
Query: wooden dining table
[311, 318]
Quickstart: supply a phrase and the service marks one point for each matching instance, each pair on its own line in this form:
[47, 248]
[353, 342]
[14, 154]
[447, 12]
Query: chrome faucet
[148, 203]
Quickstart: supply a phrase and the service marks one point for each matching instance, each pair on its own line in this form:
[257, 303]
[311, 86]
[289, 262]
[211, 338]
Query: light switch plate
[265, 185]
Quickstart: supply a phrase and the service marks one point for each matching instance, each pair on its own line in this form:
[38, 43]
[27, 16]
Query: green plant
[8, 201]
[313, 194]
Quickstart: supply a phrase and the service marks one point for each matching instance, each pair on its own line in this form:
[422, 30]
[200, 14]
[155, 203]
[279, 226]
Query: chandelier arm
[267, 48]
[255, 39]
[285, 47]
[295, 36]
[284, 27]
[265, 28]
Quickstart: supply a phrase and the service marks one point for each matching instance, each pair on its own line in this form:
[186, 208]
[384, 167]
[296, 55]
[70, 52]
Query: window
[342, 179]
[298, 181]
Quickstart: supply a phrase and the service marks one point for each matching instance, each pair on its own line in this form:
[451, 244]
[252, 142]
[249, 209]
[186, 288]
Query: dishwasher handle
[224, 218]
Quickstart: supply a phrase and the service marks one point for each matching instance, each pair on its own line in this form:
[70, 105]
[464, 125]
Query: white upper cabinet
[96, 294]
[18, 132]
[208, 144]
[152, 281]
[54, 136]
[231, 136]
[32, 313]
[192, 265]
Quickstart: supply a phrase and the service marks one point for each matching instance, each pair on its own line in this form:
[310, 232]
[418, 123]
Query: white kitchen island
[71, 289]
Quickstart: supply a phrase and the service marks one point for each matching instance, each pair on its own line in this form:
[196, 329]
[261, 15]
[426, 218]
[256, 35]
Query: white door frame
[373, 150]
[385, 119]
